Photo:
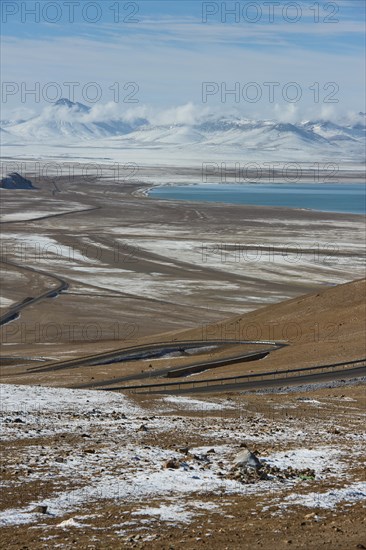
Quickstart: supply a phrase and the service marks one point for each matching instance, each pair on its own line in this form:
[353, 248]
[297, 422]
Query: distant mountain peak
[64, 102]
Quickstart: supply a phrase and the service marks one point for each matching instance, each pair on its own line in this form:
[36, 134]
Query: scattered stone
[172, 463]
[201, 458]
[42, 509]
[249, 469]
[247, 476]
[184, 450]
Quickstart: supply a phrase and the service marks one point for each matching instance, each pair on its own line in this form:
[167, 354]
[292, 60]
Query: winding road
[158, 349]
[15, 310]
[267, 379]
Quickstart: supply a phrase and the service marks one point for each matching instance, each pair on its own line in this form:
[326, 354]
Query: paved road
[194, 367]
[14, 311]
[47, 216]
[280, 382]
[157, 349]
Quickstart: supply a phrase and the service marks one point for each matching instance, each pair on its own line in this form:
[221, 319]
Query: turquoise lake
[340, 197]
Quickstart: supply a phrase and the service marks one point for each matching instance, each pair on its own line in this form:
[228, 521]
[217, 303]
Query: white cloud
[286, 113]
[185, 114]
[101, 112]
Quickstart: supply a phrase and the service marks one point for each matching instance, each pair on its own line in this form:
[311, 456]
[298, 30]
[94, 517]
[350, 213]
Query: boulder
[246, 459]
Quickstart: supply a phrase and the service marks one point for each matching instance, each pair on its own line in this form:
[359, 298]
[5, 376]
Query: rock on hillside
[15, 181]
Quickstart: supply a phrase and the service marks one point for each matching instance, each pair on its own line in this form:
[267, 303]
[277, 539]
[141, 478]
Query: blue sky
[160, 54]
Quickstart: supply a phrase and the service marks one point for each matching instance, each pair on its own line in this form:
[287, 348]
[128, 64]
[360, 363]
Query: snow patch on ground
[71, 523]
[109, 452]
[176, 513]
[6, 302]
[173, 513]
[316, 459]
[196, 404]
[330, 499]
[24, 216]
[32, 399]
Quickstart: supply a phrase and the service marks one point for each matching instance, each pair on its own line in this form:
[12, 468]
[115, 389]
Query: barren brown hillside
[321, 328]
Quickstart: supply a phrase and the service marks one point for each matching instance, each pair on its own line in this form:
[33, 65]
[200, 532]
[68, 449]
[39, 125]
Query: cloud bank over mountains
[68, 123]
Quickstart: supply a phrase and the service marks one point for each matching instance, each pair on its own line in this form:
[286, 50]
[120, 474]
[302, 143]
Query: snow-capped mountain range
[69, 120]
[71, 123]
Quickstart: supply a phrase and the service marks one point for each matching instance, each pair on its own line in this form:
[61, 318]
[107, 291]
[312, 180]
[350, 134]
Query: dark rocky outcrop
[64, 102]
[16, 181]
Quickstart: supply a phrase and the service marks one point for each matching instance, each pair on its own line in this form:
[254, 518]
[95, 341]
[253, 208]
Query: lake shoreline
[337, 198]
